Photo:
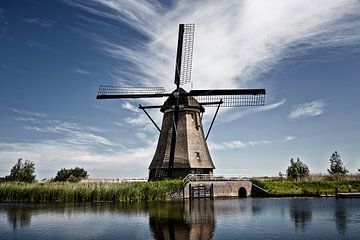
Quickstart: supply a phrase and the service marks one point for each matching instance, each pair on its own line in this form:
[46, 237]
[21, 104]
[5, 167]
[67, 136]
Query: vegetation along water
[89, 192]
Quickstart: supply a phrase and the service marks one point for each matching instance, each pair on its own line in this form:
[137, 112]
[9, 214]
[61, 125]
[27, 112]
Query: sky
[55, 54]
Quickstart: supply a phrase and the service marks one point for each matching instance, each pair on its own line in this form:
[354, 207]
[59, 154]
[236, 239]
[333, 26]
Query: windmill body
[191, 152]
[182, 147]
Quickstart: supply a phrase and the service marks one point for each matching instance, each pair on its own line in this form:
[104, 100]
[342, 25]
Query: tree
[297, 170]
[22, 172]
[71, 175]
[336, 165]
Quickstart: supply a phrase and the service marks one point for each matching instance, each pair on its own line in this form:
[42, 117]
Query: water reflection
[299, 218]
[340, 216]
[17, 217]
[186, 220]
[301, 213]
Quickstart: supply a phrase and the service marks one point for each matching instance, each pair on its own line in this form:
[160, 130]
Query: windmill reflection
[301, 213]
[184, 220]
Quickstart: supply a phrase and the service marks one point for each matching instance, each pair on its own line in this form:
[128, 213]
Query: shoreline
[171, 190]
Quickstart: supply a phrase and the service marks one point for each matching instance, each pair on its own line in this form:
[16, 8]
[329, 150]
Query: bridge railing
[212, 177]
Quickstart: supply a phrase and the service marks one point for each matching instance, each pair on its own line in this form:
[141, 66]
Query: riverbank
[90, 192]
[283, 187]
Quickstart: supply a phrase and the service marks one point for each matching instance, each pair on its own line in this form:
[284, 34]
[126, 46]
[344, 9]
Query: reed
[308, 187]
[89, 192]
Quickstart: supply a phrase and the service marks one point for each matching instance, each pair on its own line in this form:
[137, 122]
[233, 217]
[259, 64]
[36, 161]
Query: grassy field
[89, 192]
[307, 187]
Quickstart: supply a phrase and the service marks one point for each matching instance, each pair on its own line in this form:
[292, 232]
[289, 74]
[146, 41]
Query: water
[284, 218]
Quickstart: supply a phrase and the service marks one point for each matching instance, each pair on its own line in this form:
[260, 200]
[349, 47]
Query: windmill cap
[184, 100]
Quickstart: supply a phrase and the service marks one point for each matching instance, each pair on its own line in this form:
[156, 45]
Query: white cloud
[310, 109]
[70, 132]
[239, 114]
[49, 156]
[289, 138]
[25, 112]
[41, 22]
[233, 44]
[81, 71]
[71, 144]
[236, 144]
[128, 106]
[27, 119]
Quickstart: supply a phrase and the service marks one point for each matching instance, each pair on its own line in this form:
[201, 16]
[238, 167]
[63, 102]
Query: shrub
[71, 175]
[336, 165]
[22, 172]
[297, 170]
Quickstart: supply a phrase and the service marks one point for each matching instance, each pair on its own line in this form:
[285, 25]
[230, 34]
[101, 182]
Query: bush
[297, 170]
[22, 172]
[337, 168]
[71, 175]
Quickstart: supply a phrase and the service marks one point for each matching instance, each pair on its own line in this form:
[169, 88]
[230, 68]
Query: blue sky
[55, 54]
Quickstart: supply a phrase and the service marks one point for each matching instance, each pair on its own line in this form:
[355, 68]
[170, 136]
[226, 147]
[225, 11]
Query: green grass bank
[90, 192]
[282, 187]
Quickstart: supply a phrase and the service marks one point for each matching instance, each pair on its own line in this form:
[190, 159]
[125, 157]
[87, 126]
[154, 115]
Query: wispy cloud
[25, 112]
[232, 42]
[130, 107]
[69, 144]
[233, 45]
[82, 71]
[27, 119]
[70, 132]
[236, 144]
[239, 114]
[49, 156]
[9, 67]
[310, 109]
[40, 22]
[289, 138]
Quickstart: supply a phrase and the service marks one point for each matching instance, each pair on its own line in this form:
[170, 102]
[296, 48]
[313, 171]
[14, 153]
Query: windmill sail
[111, 92]
[184, 54]
[230, 97]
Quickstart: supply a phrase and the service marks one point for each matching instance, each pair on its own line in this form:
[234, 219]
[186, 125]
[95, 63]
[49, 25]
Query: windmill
[182, 147]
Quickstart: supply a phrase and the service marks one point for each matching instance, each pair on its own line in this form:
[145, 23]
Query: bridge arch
[242, 193]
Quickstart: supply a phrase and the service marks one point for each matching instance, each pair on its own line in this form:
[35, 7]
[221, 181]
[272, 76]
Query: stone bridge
[213, 187]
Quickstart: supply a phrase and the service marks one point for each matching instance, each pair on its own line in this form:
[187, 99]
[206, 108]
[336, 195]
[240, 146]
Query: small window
[198, 156]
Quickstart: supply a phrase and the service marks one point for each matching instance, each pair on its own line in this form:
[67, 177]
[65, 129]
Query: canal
[248, 218]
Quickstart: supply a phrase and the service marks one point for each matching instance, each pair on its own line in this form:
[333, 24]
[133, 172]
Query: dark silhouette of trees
[336, 165]
[297, 170]
[22, 172]
[71, 175]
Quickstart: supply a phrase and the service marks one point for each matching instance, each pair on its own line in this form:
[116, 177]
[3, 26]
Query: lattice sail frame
[232, 100]
[230, 97]
[114, 90]
[187, 54]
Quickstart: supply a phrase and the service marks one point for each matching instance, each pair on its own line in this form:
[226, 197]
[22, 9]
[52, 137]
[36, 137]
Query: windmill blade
[113, 92]
[230, 97]
[184, 54]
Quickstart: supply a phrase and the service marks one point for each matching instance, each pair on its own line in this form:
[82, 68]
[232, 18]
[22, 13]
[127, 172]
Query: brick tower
[191, 151]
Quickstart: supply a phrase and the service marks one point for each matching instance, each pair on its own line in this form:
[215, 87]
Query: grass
[308, 187]
[89, 192]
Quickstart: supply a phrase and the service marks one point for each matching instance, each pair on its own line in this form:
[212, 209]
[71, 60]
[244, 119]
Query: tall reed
[89, 192]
